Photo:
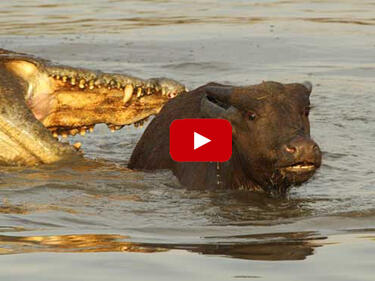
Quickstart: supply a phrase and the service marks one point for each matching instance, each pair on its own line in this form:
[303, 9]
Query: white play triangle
[200, 140]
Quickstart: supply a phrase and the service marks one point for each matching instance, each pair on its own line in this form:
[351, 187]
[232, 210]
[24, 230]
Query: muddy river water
[97, 220]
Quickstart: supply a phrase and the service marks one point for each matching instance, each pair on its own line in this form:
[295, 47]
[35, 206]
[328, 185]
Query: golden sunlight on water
[95, 218]
[265, 247]
[84, 243]
[282, 246]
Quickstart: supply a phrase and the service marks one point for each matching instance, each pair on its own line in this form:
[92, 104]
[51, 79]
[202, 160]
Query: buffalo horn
[210, 109]
[221, 93]
[308, 86]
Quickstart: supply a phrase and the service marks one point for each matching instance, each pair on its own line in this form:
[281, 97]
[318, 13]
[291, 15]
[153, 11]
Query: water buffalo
[272, 147]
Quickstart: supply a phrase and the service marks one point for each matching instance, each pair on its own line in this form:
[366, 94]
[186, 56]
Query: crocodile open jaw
[70, 101]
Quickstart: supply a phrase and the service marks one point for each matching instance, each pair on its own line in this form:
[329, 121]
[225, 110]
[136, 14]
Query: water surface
[96, 218]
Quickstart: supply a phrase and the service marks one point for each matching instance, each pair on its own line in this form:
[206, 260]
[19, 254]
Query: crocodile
[42, 102]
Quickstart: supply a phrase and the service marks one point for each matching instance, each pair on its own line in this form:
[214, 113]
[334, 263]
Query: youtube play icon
[200, 140]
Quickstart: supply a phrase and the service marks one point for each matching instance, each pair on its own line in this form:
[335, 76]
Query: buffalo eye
[251, 115]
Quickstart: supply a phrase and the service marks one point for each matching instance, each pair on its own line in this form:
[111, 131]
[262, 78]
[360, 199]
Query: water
[97, 220]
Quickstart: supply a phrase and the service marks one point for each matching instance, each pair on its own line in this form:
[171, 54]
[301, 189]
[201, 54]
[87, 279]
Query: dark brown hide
[272, 148]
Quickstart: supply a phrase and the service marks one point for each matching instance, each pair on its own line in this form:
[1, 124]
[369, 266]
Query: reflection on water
[98, 205]
[279, 246]
[85, 243]
[264, 247]
[269, 247]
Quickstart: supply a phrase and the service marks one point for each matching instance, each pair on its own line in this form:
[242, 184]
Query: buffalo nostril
[290, 149]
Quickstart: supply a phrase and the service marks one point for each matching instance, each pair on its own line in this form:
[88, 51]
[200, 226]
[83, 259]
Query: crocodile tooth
[91, 84]
[82, 132]
[139, 92]
[73, 81]
[82, 83]
[64, 135]
[77, 145]
[128, 92]
[91, 128]
[111, 127]
[65, 78]
[73, 132]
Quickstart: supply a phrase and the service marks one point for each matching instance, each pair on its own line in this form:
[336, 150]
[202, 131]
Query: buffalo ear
[308, 86]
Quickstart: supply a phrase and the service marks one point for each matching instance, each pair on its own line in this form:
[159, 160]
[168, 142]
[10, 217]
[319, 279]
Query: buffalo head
[271, 131]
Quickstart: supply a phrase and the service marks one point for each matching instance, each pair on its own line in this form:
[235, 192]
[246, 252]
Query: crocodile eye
[251, 115]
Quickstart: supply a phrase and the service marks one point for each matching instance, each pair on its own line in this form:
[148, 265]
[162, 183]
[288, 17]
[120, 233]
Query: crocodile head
[68, 101]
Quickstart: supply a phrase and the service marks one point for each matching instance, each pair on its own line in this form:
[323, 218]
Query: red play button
[197, 140]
